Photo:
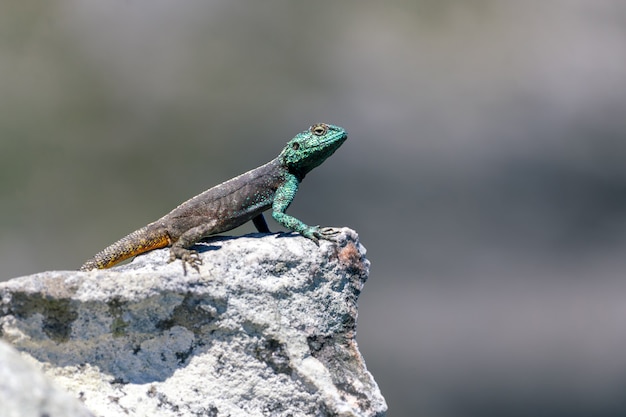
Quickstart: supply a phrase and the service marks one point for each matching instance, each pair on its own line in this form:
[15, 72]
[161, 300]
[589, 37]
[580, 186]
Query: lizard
[233, 203]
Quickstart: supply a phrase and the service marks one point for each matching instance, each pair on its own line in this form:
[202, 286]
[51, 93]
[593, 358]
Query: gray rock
[26, 392]
[267, 328]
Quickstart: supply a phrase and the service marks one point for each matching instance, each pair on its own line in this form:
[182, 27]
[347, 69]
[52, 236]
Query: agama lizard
[233, 203]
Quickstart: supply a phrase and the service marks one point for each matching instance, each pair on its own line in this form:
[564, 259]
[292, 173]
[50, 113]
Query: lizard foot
[187, 256]
[316, 233]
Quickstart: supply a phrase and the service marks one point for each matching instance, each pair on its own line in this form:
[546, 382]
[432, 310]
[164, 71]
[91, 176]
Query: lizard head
[311, 147]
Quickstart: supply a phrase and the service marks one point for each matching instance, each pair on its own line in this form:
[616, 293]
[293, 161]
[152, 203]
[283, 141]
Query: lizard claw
[187, 256]
[327, 233]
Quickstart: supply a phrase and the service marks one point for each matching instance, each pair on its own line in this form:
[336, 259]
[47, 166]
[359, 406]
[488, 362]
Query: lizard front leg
[283, 198]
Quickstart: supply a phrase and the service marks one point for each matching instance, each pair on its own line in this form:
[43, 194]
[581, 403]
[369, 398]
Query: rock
[267, 328]
[26, 392]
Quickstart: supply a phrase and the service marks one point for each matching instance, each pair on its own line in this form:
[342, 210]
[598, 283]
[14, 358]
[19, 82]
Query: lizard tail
[138, 242]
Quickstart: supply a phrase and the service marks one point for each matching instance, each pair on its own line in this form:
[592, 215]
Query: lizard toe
[187, 256]
[329, 233]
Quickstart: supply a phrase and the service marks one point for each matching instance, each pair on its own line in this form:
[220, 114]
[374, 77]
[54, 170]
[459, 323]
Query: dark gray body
[227, 205]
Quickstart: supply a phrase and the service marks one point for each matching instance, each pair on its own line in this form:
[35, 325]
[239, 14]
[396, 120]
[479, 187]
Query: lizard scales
[233, 203]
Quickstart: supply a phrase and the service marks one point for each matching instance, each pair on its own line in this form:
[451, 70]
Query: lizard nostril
[295, 146]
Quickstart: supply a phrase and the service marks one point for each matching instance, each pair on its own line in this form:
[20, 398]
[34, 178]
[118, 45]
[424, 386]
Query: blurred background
[485, 168]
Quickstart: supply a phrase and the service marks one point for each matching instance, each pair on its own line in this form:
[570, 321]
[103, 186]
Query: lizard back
[230, 204]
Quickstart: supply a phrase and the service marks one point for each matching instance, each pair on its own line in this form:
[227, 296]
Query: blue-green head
[311, 147]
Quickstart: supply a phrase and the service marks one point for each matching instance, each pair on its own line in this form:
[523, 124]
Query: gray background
[485, 169]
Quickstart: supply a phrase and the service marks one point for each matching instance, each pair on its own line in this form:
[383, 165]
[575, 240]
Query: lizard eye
[319, 130]
[295, 146]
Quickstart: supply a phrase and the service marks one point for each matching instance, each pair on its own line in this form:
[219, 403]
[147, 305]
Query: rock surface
[267, 328]
[26, 392]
